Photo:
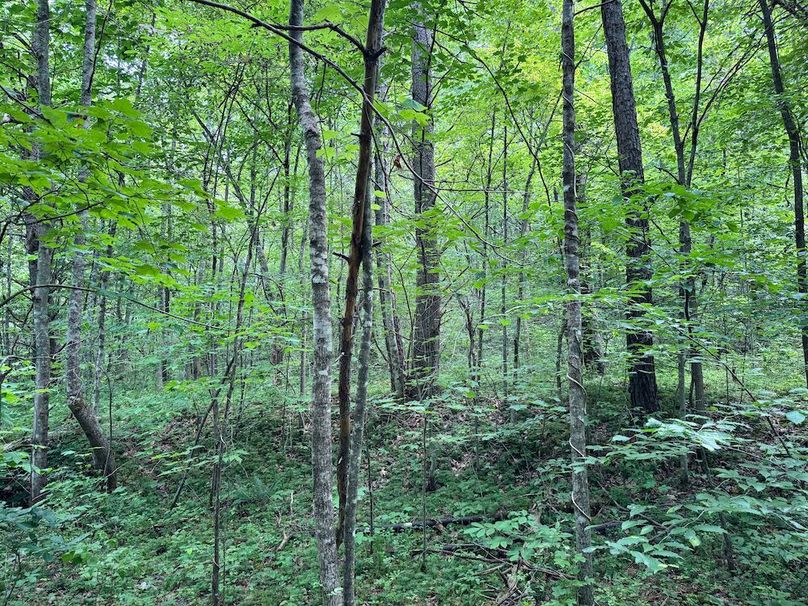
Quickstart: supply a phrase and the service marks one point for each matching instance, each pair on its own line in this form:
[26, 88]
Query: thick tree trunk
[642, 374]
[356, 255]
[794, 144]
[576, 391]
[103, 459]
[322, 466]
[426, 333]
[42, 364]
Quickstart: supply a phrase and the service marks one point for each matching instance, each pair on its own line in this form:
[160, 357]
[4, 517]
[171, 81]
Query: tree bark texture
[321, 321]
[426, 333]
[794, 144]
[576, 393]
[356, 254]
[642, 374]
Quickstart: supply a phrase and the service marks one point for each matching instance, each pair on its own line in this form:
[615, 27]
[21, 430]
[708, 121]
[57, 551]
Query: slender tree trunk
[103, 458]
[503, 285]
[220, 421]
[687, 289]
[41, 276]
[101, 352]
[387, 298]
[576, 391]
[642, 374]
[356, 255]
[483, 289]
[523, 229]
[322, 466]
[794, 144]
[360, 409]
[426, 333]
[287, 200]
[592, 343]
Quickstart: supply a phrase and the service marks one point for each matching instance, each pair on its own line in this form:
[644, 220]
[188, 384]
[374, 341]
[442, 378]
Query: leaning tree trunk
[642, 375]
[41, 276]
[426, 333]
[576, 392]
[321, 326]
[792, 130]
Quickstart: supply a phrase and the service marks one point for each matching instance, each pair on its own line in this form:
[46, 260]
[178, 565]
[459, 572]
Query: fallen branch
[440, 523]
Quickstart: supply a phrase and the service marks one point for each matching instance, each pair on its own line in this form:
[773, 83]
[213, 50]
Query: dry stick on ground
[440, 522]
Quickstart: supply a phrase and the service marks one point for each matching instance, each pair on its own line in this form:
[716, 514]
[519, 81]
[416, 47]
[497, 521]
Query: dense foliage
[158, 207]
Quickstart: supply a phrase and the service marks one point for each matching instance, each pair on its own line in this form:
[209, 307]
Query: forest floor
[131, 548]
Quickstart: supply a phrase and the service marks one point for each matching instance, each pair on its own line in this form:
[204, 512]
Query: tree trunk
[576, 392]
[426, 333]
[684, 175]
[41, 275]
[103, 459]
[483, 289]
[523, 229]
[360, 409]
[387, 298]
[503, 285]
[592, 341]
[101, 352]
[642, 374]
[790, 125]
[322, 467]
[356, 255]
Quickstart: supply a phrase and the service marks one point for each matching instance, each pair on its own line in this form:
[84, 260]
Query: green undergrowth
[733, 533]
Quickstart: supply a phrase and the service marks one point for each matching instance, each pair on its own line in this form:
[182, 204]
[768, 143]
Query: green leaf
[795, 416]
[650, 562]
